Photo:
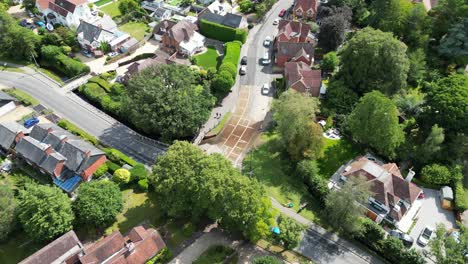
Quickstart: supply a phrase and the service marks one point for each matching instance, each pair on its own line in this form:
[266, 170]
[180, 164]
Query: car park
[425, 236]
[276, 22]
[405, 238]
[244, 60]
[282, 13]
[267, 41]
[243, 70]
[266, 89]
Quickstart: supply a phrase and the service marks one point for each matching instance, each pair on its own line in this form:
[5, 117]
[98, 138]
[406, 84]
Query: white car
[266, 58]
[243, 70]
[276, 22]
[266, 89]
[6, 166]
[425, 236]
[267, 41]
[112, 54]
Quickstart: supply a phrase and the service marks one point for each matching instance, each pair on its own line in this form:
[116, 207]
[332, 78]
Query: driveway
[431, 214]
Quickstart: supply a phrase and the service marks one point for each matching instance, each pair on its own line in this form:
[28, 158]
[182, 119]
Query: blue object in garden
[275, 230]
[290, 205]
[31, 122]
[69, 184]
[41, 24]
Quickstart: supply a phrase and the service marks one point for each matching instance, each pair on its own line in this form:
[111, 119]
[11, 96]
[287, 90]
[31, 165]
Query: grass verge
[102, 2]
[51, 75]
[221, 125]
[25, 98]
[67, 125]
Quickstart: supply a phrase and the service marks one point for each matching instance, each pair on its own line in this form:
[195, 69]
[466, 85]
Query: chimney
[130, 247]
[410, 176]
[63, 139]
[19, 136]
[48, 149]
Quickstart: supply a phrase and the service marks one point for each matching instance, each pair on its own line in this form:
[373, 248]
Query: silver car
[425, 236]
[266, 89]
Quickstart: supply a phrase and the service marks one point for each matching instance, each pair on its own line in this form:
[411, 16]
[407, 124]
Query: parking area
[431, 214]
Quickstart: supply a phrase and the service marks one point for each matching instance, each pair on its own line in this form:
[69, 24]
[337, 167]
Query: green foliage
[309, 172]
[143, 184]
[332, 31]
[446, 249]
[138, 172]
[390, 15]
[461, 196]
[369, 233]
[93, 92]
[293, 114]
[162, 257]
[101, 82]
[229, 67]
[222, 83]
[372, 59]
[44, 212]
[98, 203]
[329, 62]
[22, 96]
[267, 260]
[190, 183]
[121, 176]
[290, 232]
[7, 211]
[409, 102]
[53, 57]
[165, 100]
[453, 46]
[374, 121]
[112, 166]
[436, 174]
[432, 146]
[118, 157]
[214, 255]
[340, 99]
[127, 6]
[417, 68]
[342, 205]
[67, 125]
[100, 171]
[221, 32]
[232, 52]
[246, 6]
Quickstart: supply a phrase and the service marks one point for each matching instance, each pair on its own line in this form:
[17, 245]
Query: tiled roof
[103, 249]
[229, 20]
[182, 31]
[305, 5]
[291, 50]
[8, 132]
[163, 27]
[66, 246]
[31, 149]
[302, 78]
[89, 31]
[294, 29]
[49, 164]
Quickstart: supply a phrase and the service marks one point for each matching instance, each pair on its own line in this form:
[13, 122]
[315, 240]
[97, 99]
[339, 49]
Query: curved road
[67, 105]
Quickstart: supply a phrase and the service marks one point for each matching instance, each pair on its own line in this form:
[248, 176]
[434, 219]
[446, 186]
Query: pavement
[68, 105]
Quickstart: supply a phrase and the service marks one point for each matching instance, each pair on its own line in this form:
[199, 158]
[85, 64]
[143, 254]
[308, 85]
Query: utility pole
[35, 62]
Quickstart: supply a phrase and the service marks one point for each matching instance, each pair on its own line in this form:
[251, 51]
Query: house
[138, 66]
[65, 12]
[64, 249]
[129, 45]
[7, 103]
[306, 9]
[137, 247]
[90, 36]
[300, 77]
[228, 20]
[117, 42]
[220, 8]
[294, 52]
[151, 6]
[10, 133]
[181, 37]
[294, 31]
[205, 2]
[162, 13]
[392, 195]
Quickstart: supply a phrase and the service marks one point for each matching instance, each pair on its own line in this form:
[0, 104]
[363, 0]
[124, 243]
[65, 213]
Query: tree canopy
[290, 232]
[332, 31]
[373, 60]
[165, 100]
[98, 203]
[374, 121]
[121, 176]
[45, 212]
[447, 249]
[190, 183]
[7, 211]
[294, 112]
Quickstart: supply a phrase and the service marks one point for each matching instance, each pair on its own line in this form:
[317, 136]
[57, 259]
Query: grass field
[102, 2]
[135, 29]
[112, 9]
[209, 59]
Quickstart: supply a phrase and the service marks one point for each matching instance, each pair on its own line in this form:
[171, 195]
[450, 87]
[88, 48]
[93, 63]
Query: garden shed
[446, 197]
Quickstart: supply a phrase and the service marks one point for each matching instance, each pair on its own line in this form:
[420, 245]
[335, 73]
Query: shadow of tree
[336, 153]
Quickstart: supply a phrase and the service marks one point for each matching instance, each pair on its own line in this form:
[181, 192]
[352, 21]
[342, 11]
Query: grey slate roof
[40, 130]
[160, 11]
[90, 31]
[8, 132]
[31, 149]
[75, 152]
[229, 20]
[50, 162]
[6, 97]
[56, 136]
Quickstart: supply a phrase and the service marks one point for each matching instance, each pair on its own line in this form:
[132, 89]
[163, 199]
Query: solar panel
[69, 184]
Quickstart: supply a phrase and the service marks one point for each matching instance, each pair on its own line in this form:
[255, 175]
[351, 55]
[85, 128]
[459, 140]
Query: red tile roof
[302, 78]
[182, 31]
[293, 31]
[305, 5]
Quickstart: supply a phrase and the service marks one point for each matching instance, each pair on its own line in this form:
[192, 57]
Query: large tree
[344, 207]
[332, 31]
[7, 211]
[98, 203]
[340, 99]
[374, 121]
[290, 232]
[454, 46]
[190, 183]
[294, 113]
[45, 212]
[449, 249]
[429, 150]
[373, 59]
[165, 100]
[445, 14]
[390, 15]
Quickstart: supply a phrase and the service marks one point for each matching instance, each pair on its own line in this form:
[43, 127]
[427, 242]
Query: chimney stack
[410, 175]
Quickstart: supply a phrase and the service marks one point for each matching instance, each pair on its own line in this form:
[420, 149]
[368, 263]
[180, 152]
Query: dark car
[31, 122]
[244, 60]
[282, 13]
[405, 238]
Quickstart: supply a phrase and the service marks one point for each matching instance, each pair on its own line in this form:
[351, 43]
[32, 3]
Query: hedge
[229, 67]
[232, 52]
[461, 197]
[52, 56]
[100, 171]
[67, 125]
[101, 82]
[118, 157]
[112, 167]
[221, 32]
[138, 172]
[162, 257]
[93, 92]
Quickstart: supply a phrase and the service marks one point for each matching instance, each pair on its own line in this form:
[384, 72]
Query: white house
[162, 13]
[65, 12]
[7, 103]
[90, 36]
[220, 8]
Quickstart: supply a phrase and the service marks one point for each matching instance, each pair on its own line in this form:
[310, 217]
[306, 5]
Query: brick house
[10, 133]
[65, 12]
[306, 9]
[294, 52]
[393, 196]
[179, 37]
[300, 77]
[293, 31]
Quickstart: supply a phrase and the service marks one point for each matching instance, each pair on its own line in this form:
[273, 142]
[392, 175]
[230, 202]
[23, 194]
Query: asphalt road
[106, 129]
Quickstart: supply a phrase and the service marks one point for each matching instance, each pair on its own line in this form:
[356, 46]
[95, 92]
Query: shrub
[308, 171]
[436, 174]
[93, 92]
[112, 167]
[101, 171]
[267, 260]
[229, 67]
[111, 106]
[138, 172]
[67, 125]
[101, 82]
[222, 83]
[143, 185]
[53, 57]
[188, 229]
[121, 176]
[162, 257]
[461, 197]
[118, 157]
[232, 52]
[221, 32]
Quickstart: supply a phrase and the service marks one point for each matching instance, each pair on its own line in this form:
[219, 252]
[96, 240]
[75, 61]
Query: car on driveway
[6, 166]
[276, 22]
[40, 24]
[282, 13]
[243, 70]
[266, 89]
[267, 41]
[112, 54]
[405, 238]
[425, 236]
[244, 60]
[31, 122]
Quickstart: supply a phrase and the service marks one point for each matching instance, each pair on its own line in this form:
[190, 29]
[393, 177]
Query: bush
[222, 83]
[162, 257]
[100, 171]
[229, 67]
[138, 172]
[112, 167]
[267, 260]
[118, 157]
[101, 82]
[143, 185]
[110, 105]
[461, 197]
[436, 174]
[67, 125]
[53, 57]
[308, 171]
[188, 229]
[232, 52]
[221, 32]
[121, 176]
[93, 92]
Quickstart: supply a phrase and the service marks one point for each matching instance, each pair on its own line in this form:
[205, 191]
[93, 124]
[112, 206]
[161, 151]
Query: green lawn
[221, 124]
[17, 248]
[112, 9]
[11, 69]
[102, 2]
[135, 29]
[174, 2]
[335, 154]
[214, 255]
[209, 59]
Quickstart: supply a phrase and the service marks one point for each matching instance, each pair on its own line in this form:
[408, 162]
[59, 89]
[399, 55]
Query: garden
[208, 59]
[135, 29]
[112, 9]
[217, 255]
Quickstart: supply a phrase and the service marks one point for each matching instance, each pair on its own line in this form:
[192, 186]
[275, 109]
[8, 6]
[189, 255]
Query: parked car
[94, 12]
[276, 22]
[30, 14]
[267, 41]
[112, 54]
[6, 166]
[282, 13]
[31, 122]
[41, 24]
[243, 70]
[425, 236]
[87, 53]
[244, 60]
[266, 89]
[266, 58]
[405, 238]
